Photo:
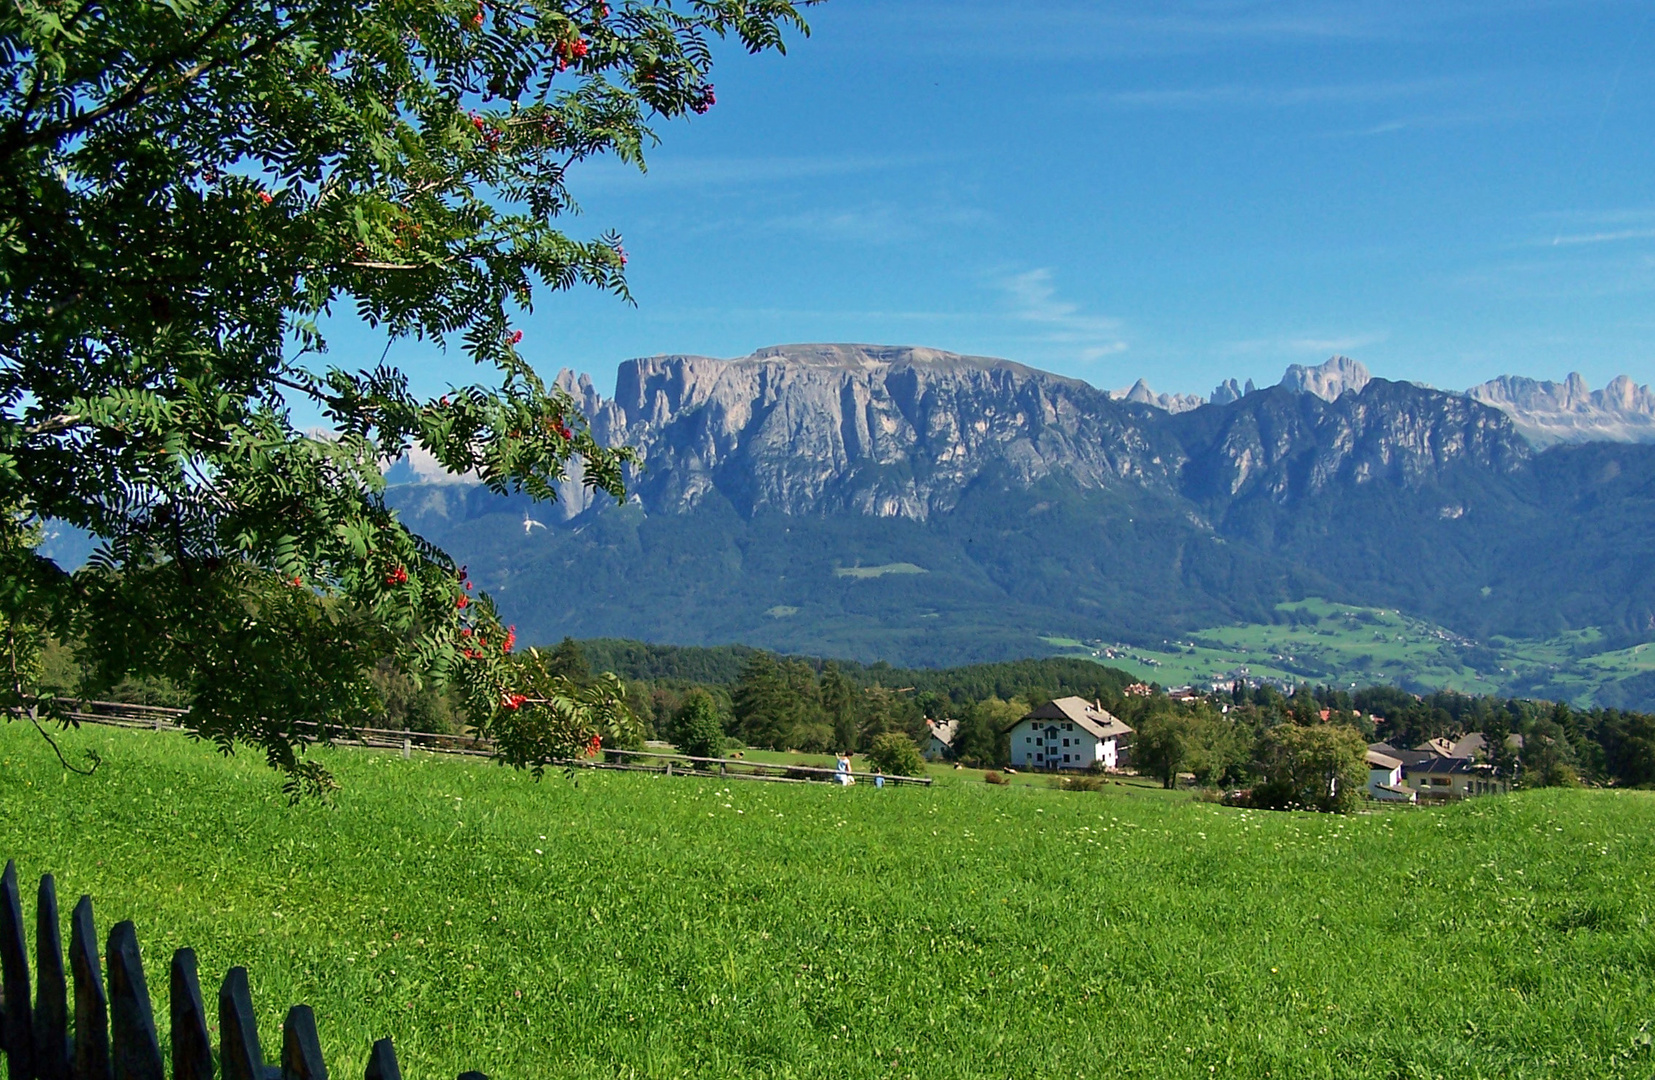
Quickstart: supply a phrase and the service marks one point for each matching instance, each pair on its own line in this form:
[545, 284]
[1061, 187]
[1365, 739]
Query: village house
[1455, 778]
[1069, 733]
[1385, 779]
[1410, 758]
[1440, 768]
[940, 745]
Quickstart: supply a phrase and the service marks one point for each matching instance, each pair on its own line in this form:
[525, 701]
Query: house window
[1027, 739]
[1040, 757]
[1065, 742]
[1065, 757]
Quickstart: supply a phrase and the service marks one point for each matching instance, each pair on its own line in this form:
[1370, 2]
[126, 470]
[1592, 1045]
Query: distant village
[1072, 734]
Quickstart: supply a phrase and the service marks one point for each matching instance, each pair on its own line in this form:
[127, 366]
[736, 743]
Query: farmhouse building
[1385, 779]
[1069, 733]
[940, 745]
[1455, 778]
[1431, 774]
[1410, 758]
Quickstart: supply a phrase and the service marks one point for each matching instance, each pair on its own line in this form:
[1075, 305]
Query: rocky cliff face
[885, 432]
[917, 506]
[1327, 381]
[1571, 412]
[902, 432]
[1285, 446]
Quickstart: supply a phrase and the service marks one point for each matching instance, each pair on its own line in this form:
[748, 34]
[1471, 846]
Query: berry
[264, 197]
[517, 335]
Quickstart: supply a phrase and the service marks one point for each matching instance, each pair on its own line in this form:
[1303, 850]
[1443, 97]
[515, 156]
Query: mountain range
[921, 507]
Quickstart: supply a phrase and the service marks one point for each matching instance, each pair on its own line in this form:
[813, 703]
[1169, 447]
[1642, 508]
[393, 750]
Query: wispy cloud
[1431, 122]
[1305, 344]
[1034, 300]
[1070, 29]
[737, 171]
[1613, 237]
[877, 223]
[1240, 95]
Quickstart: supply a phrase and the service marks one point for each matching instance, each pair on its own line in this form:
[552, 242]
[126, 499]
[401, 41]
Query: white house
[1069, 733]
[1385, 779]
[940, 745]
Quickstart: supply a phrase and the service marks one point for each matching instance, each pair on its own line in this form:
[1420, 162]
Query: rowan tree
[187, 187]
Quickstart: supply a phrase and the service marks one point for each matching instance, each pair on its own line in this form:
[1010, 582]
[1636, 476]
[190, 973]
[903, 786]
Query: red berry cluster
[491, 135]
[264, 197]
[568, 52]
[516, 336]
[511, 639]
[594, 745]
[706, 101]
[399, 576]
[512, 701]
[477, 19]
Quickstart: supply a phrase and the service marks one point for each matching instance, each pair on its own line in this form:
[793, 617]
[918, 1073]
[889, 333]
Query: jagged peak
[1328, 380]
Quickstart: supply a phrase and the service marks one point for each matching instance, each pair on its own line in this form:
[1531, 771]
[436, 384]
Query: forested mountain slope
[918, 507]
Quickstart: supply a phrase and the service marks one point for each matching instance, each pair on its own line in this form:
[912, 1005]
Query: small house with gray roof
[939, 746]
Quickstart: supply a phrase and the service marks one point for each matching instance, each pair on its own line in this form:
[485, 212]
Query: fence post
[136, 1048]
[301, 1049]
[239, 1054]
[91, 1005]
[382, 1062]
[17, 1018]
[51, 1006]
[192, 1046]
[407, 748]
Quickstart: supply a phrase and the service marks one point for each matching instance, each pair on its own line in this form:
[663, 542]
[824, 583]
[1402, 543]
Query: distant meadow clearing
[662, 927]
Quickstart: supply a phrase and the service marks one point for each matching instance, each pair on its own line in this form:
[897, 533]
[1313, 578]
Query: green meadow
[1340, 644]
[636, 926]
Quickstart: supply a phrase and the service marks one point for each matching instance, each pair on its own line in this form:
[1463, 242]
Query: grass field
[647, 926]
[1342, 644]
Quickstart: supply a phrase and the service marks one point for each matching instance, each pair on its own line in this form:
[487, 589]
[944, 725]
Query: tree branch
[143, 86]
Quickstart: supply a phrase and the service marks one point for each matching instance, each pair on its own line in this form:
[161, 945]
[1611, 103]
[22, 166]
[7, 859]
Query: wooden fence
[118, 714]
[109, 1034]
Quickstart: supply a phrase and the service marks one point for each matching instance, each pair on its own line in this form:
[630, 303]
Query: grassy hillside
[1343, 644]
[654, 927]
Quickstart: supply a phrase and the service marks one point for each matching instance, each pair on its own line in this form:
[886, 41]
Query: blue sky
[1183, 190]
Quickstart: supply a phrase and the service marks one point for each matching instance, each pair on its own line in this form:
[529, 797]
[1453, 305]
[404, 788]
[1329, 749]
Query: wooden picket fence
[112, 1035]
